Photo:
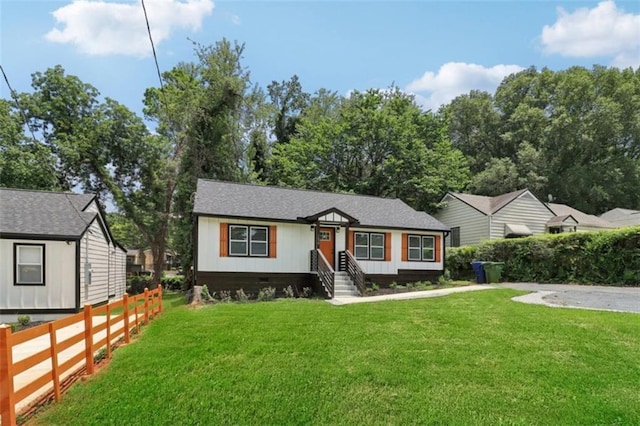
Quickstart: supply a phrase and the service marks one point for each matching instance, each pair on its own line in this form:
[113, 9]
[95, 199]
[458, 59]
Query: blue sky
[434, 49]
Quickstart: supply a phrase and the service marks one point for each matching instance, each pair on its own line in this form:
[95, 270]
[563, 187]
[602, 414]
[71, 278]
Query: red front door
[327, 244]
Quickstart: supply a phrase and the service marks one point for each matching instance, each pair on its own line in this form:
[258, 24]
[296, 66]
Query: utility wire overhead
[14, 96]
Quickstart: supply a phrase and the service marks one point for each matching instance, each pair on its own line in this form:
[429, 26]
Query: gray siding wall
[525, 210]
[94, 250]
[474, 225]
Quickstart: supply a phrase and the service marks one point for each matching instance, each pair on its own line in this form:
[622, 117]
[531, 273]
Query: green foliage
[607, 258]
[266, 294]
[173, 283]
[225, 296]
[445, 278]
[307, 292]
[377, 143]
[24, 320]
[241, 296]
[137, 284]
[288, 292]
[205, 295]
[573, 134]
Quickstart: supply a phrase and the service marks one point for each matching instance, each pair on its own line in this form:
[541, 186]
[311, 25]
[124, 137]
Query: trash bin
[493, 271]
[478, 269]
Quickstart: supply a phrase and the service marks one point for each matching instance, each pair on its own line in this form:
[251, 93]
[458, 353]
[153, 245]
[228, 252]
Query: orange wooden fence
[99, 328]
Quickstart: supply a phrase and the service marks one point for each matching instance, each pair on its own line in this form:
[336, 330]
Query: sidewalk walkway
[338, 301]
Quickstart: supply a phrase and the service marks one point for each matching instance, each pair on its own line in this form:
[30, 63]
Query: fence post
[7, 397]
[146, 306]
[125, 306]
[108, 330]
[160, 299]
[88, 338]
[54, 360]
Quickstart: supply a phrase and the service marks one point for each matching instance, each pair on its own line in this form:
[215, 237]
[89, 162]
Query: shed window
[29, 264]
[421, 248]
[248, 240]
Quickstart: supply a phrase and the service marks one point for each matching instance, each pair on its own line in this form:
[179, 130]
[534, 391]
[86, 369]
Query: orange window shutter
[352, 241]
[405, 247]
[437, 243]
[387, 247]
[273, 241]
[224, 239]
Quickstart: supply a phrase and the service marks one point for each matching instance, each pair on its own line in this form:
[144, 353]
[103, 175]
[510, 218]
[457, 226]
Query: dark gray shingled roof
[41, 213]
[270, 202]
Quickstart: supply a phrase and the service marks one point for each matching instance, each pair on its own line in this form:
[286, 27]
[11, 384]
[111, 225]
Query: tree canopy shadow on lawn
[470, 358]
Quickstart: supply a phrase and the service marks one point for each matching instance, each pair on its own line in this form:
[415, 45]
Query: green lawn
[471, 358]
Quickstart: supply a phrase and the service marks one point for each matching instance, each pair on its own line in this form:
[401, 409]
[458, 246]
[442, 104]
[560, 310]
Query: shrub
[173, 283]
[225, 296]
[24, 320]
[605, 257]
[375, 287]
[445, 278]
[205, 295]
[288, 292]
[393, 285]
[266, 294]
[307, 292]
[241, 296]
[137, 284]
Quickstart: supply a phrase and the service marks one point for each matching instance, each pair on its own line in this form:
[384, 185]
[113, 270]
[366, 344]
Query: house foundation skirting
[404, 276]
[252, 282]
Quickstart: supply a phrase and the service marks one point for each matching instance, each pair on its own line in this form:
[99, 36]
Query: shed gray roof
[270, 202]
[44, 214]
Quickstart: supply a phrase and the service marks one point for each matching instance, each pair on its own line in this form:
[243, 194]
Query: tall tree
[104, 148]
[375, 143]
[289, 101]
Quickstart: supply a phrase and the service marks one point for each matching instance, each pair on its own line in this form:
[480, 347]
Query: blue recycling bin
[478, 269]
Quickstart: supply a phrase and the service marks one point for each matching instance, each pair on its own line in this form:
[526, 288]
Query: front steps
[343, 286]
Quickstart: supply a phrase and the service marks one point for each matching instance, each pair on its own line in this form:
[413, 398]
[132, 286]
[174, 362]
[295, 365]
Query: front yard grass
[471, 358]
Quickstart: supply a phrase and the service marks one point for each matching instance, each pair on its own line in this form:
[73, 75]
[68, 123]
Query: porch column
[346, 237]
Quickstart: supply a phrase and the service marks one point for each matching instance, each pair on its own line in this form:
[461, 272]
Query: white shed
[56, 254]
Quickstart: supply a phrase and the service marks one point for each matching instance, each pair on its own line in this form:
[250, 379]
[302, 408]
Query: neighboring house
[622, 217]
[581, 221]
[56, 254]
[475, 218]
[135, 261]
[139, 260]
[250, 236]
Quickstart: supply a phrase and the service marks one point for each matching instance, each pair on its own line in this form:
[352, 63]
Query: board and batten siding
[474, 225]
[379, 267]
[59, 291]
[294, 245]
[95, 250]
[524, 210]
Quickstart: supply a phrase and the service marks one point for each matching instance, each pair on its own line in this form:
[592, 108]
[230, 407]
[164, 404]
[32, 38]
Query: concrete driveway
[616, 299]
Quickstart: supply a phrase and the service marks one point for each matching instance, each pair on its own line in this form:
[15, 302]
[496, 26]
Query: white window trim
[372, 246]
[248, 252]
[356, 245]
[18, 263]
[369, 246]
[421, 239]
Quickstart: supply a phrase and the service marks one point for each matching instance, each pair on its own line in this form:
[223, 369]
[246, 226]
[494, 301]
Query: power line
[153, 47]
[14, 96]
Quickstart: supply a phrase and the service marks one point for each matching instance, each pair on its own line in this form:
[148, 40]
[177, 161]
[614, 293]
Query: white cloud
[106, 28]
[604, 30]
[455, 78]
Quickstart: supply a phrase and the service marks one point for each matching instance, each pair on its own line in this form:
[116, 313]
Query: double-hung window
[369, 246]
[29, 264]
[422, 248]
[250, 241]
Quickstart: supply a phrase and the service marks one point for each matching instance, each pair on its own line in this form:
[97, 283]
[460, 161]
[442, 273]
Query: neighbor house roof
[44, 214]
[285, 204]
[485, 204]
[619, 215]
[582, 218]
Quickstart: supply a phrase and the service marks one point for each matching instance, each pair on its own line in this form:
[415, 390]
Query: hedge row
[606, 257]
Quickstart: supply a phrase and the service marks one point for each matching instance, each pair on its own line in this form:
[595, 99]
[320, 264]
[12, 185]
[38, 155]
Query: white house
[475, 218]
[56, 254]
[250, 236]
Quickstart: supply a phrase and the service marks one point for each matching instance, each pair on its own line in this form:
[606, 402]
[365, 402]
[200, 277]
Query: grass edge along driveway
[473, 358]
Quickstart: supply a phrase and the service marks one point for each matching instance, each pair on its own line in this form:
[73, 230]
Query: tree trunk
[157, 250]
